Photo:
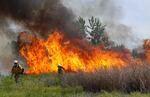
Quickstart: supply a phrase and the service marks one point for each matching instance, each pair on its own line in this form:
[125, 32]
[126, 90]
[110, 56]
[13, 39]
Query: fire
[147, 49]
[43, 55]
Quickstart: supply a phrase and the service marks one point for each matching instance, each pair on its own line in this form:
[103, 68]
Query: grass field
[48, 85]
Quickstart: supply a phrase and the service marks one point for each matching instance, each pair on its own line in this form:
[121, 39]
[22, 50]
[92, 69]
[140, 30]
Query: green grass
[36, 86]
[48, 85]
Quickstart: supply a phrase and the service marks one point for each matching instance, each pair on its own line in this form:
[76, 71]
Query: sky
[134, 14]
[137, 15]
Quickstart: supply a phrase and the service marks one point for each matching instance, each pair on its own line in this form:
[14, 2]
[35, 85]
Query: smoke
[5, 48]
[8, 36]
[5, 53]
[40, 16]
[43, 16]
[110, 14]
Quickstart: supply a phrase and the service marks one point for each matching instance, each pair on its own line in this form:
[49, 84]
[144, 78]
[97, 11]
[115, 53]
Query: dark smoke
[40, 16]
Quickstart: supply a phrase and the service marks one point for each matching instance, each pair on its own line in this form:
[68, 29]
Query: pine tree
[93, 29]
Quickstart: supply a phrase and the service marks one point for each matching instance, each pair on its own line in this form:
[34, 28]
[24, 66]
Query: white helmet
[15, 61]
[59, 65]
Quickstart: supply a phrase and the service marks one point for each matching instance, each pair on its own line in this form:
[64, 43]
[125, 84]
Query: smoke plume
[40, 16]
[43, 16]
[6, 51]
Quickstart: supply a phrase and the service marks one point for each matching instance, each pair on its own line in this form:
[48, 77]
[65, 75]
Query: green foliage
[95, 29]
[134, 53]
[81, 24]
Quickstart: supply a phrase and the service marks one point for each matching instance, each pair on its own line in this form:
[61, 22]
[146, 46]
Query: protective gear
[15, 61]
[59, 65]
[60, 69]
[17, 70]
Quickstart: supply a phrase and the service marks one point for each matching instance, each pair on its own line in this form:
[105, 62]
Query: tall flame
[44, 55]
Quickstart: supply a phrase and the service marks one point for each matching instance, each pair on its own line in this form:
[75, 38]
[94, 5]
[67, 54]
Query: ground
[48, 85]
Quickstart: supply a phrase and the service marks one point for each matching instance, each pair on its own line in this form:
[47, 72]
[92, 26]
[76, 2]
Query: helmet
[59, 65]
[15, 61]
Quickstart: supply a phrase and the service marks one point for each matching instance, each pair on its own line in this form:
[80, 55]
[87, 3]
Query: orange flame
[147, 49]
[44, 55]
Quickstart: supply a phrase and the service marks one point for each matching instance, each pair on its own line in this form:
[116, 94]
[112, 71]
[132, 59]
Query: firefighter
[17, 70]
[60, 71]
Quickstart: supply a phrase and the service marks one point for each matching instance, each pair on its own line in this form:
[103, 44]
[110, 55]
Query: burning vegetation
[82, 48]
[75, 54]
[147, 49]
[55, 38]
[43, 55]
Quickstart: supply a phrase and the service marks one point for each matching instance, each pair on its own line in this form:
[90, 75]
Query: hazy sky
[135, 14]
[128, 20]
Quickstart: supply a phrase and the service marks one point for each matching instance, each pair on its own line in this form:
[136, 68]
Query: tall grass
[48, 85]
[128, 79]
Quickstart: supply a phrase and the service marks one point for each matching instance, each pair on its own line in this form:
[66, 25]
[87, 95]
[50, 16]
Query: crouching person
[17, 70]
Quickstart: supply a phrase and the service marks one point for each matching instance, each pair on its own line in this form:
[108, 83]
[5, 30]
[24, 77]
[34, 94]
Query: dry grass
[128, 79]
[48, 85]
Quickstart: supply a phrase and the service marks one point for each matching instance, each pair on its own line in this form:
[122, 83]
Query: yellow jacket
[17, 69]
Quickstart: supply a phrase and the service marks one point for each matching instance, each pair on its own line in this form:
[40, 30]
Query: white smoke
[110, 14]
[8, 33]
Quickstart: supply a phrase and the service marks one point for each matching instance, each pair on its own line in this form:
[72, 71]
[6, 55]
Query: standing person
[60, 72]
[17, 70]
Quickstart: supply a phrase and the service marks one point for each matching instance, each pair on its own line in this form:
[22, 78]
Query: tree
[134, 52]
[94, 30]
[82, 26]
